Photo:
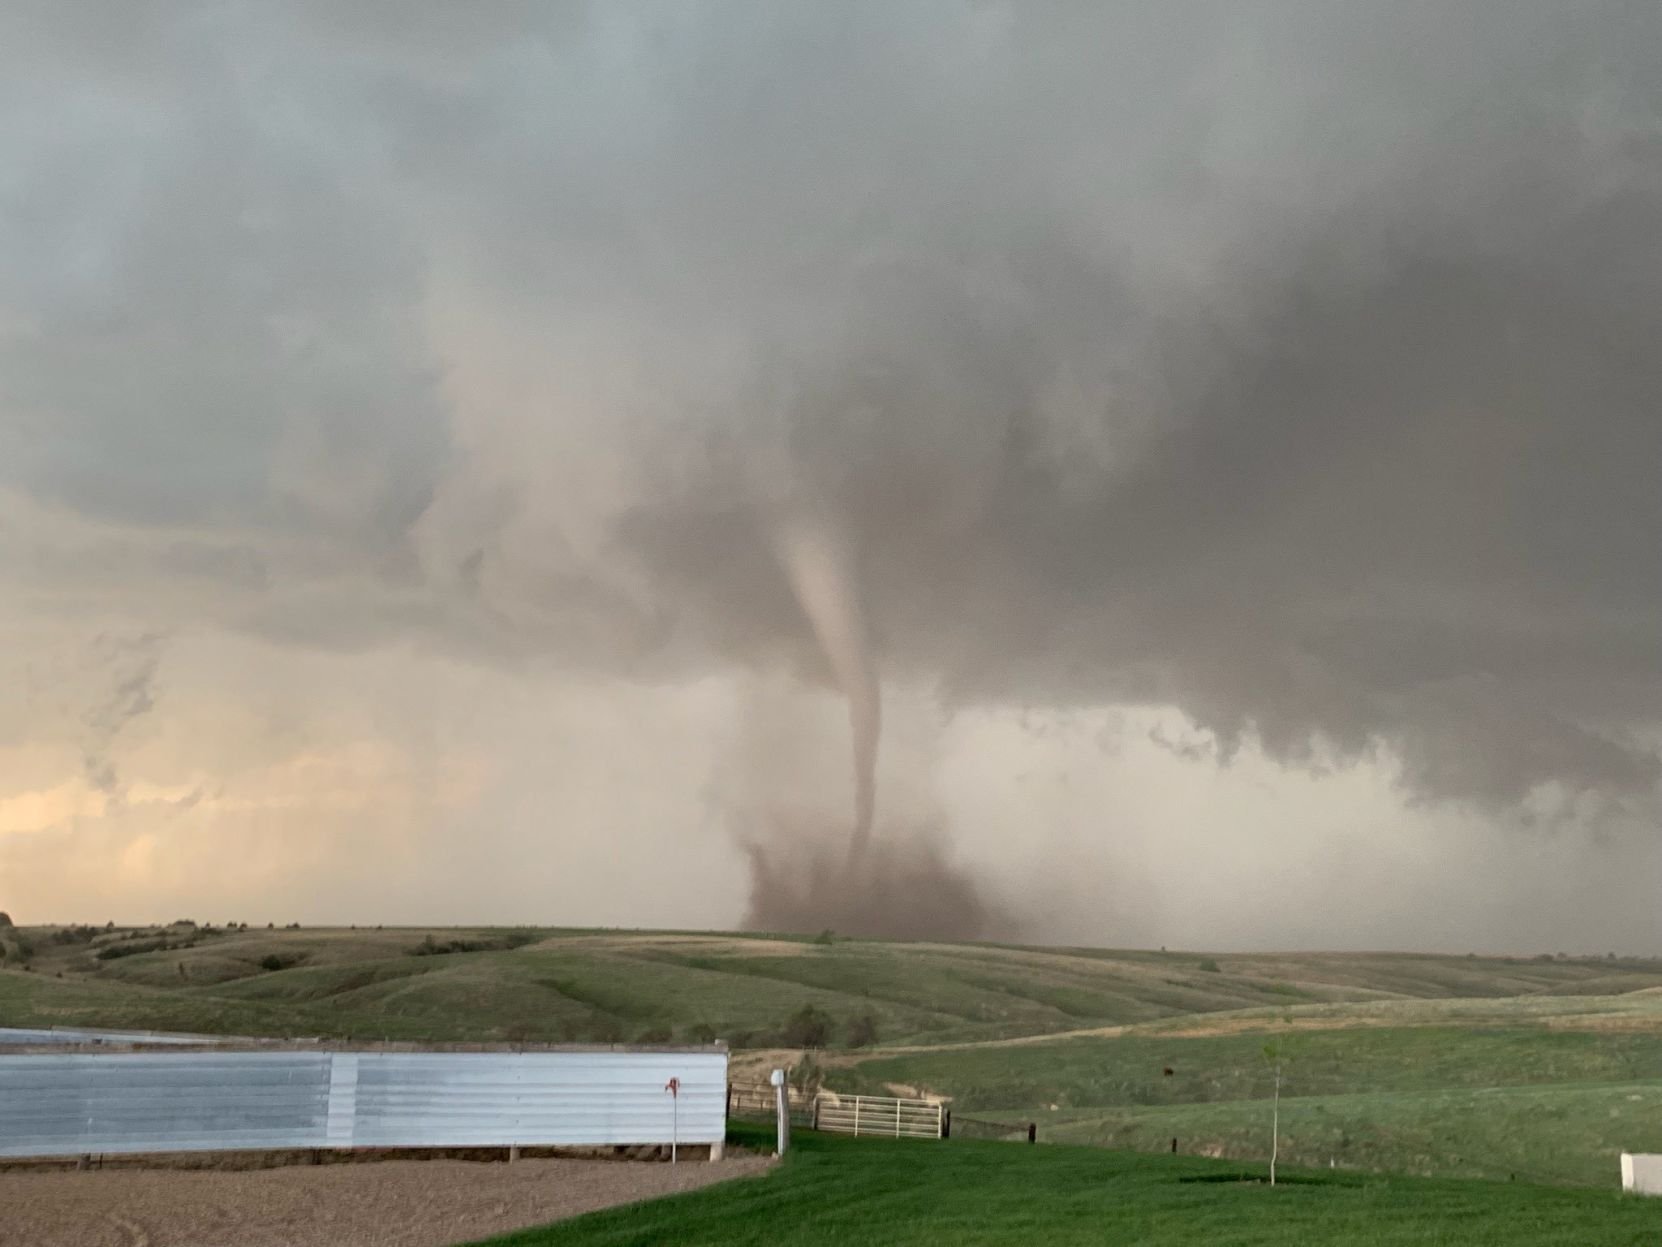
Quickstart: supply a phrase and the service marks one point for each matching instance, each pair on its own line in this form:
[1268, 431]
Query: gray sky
[1240, 422]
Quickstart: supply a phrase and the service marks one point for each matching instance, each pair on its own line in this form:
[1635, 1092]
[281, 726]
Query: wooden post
[946, 1123]
[1032, 1132]
[816, 1112]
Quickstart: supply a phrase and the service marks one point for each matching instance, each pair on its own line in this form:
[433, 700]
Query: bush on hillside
[700, 1032]
[808, 1027]
[5, 919]
[1210, 966]
[862, 1031]
[133, 947]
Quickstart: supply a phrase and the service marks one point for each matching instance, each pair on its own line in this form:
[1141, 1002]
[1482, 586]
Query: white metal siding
[73, 1103]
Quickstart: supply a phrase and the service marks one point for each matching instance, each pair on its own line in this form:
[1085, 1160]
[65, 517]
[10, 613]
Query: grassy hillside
[835, 1192]
[1545, 1067]
[610, 986]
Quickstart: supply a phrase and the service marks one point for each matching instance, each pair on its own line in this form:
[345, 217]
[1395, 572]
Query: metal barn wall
[67, 1104]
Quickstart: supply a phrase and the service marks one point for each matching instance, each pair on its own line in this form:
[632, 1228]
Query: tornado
[817, 563]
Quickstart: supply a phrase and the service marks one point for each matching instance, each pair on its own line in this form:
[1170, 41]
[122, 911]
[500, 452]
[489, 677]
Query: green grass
[1130, 1069]
[848, 1192]
[1556, 1105]
[1568, 1135]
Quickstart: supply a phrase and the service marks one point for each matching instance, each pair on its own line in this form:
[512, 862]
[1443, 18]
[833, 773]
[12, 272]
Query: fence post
[1032, 1132]
[782, 1110]
[946, 1123]
[857, 1100]
[816, 1112]
[897, 1118]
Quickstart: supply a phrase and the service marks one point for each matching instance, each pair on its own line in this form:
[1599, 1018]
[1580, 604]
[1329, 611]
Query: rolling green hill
[547, 985]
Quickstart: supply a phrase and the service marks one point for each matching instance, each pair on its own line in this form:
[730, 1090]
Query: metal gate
[880, 1115]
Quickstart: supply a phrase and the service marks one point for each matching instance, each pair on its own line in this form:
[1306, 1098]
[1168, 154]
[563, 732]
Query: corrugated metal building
[80, 1103]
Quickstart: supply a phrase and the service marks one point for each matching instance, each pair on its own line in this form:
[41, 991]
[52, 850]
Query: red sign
[673, 1086]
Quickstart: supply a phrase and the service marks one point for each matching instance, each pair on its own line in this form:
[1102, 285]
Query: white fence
[68, 1104]
[877, 1115]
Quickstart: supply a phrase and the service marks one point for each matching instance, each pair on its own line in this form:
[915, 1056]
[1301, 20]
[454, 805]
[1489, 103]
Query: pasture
[841, 1192]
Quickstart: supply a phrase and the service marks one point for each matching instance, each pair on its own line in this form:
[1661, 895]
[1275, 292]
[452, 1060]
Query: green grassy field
[1544, 1067]
[847, 1192]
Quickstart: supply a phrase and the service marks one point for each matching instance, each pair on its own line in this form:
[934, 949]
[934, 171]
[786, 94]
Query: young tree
[1275, 1052]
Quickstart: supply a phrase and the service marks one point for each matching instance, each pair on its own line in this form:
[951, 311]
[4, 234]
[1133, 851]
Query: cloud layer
[1288, 368]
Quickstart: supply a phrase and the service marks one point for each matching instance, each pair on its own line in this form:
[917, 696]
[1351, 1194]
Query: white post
[897, 1119]
[857, 1100]
[782, 1110]
[1275, 1124]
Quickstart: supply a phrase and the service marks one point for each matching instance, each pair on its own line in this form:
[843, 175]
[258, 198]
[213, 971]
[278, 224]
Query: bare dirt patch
[403, 1203]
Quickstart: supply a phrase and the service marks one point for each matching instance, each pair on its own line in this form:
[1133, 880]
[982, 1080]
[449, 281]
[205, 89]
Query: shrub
[1209, 965]
[827, 937]
[701, 1032]
[133, 947]
[862, 1031]
[806, 1077]
[271, 961]
[5, 919]
[655, 1034]
[808, 1027]
[429, 947]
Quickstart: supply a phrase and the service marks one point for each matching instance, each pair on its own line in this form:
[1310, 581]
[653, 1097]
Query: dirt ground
[400, 1203]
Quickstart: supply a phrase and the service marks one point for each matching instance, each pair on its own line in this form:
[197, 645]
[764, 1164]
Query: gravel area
[401, 1203]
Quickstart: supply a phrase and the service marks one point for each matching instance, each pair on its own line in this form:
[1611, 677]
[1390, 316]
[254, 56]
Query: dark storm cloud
[1290, 363]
